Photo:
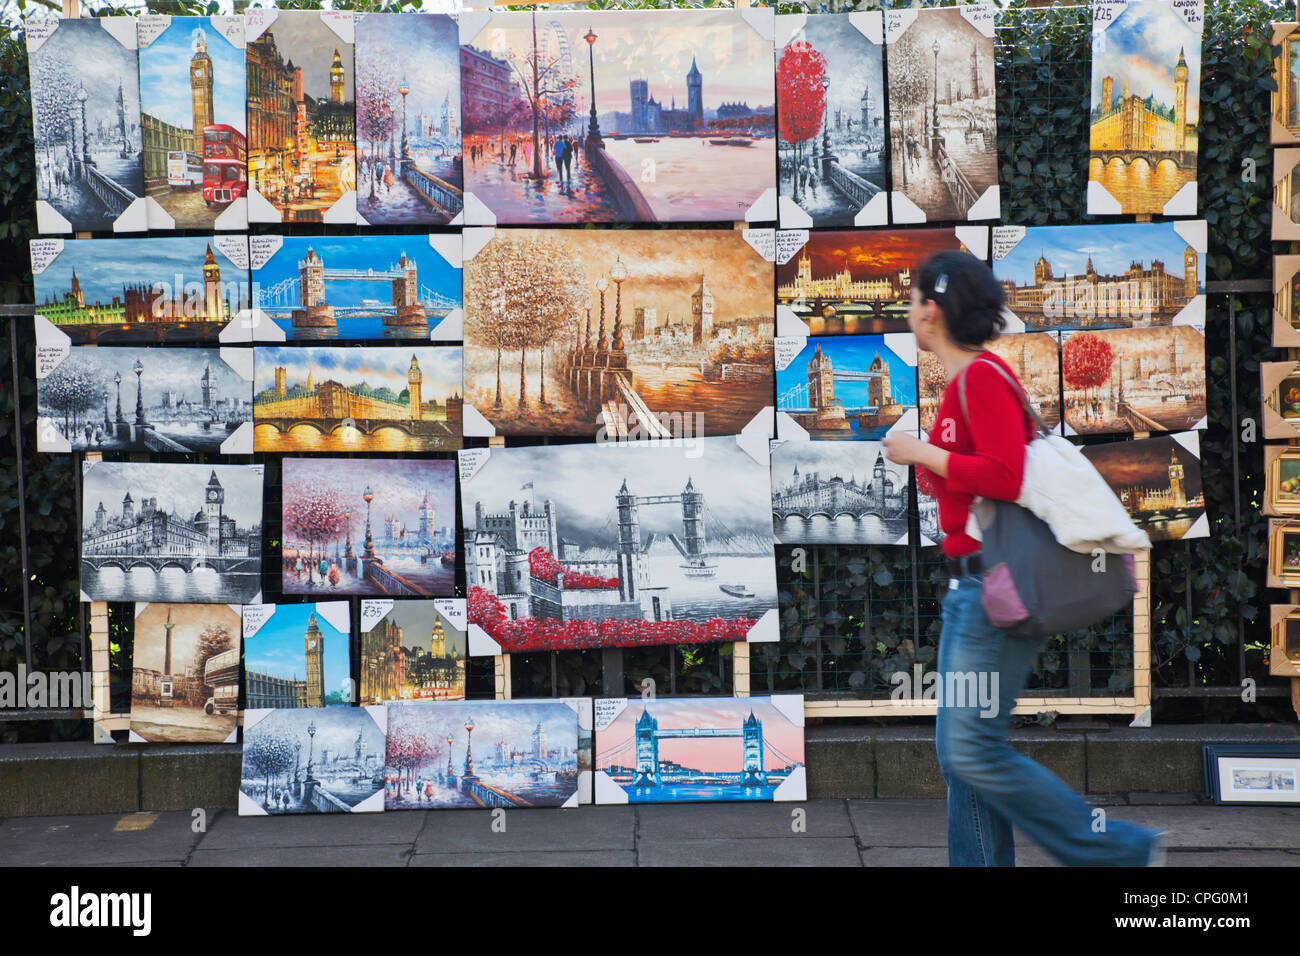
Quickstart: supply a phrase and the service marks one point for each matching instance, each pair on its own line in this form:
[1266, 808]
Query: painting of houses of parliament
[357, 399]
[413, 652]
[1032, 356]
[1146, 71]
[1133, 275]
[837, 493]
[1158, 480]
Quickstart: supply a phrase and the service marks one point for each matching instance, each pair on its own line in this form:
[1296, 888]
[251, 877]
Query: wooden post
[102, 716]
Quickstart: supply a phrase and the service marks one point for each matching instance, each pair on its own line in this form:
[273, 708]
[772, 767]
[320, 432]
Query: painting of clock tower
[213, 501]
[200, 89]
[314, 646]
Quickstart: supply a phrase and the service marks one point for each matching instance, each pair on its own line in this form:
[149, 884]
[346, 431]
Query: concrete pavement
[879, 833]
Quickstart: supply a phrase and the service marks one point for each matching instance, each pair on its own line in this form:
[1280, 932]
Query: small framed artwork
[1283, 554]
[1286, 194]
[1252, 775]
[1279, 388]
[1282, 481]
[1285, 123]
[1284, 654]
[1286, 302]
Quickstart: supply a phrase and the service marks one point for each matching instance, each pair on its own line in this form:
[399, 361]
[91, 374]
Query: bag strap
[1039, 424]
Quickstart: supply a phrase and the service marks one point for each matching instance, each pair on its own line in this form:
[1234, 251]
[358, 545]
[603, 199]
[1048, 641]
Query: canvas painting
[412, 650]
[525, 755]
[860, 283]
[185, 534]
[312, 760]
[927, 508]
[943, 122]
[355, 287]
[1285, 99]
[670, 119]
[1133, 380]
[837, 493]
[183, 401]
[1158, 480]
[185, 673]
[1280, 392]
[297, 655]
[845, 387]
[1286, 302]
[716, 748]
[85, 99]
[1112, 276]
[408, 119]
[172, 291]
[334, 398]
[1284, 656]
[1146, 104]
[551, 350]
[617, 545]
[301, 116]
[192, 77]
[1034, 359]
[403, 513]
[830, 95]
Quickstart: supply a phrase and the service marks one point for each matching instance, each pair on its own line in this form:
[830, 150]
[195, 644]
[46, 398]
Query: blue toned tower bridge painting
[726, 749]
[482, 753]
[849, 387]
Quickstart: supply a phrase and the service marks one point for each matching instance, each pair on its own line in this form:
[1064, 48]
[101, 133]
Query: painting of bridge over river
[312, 760]
[847, 387]
[723, 748]
[552, 349]
[680, 126]
[375, 526]
[171, 532]
[1133, 380]
[328, 398]
[837, 493]
[357, 287]
[482, 753]
[618, 545]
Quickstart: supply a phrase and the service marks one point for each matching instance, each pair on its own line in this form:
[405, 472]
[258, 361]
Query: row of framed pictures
[493, 117]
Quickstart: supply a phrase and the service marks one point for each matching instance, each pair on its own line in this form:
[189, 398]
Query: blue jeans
[990, 784]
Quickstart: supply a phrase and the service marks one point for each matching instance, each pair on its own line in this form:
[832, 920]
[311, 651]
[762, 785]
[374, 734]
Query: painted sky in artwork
[165, 90]
[513, 722]
[845, 459]
[398, 487]
[379, 253]
[277, 648]
[303, 37]
[82, 54]
[705, 753]
[956, 38]
[375, 367]
[336, 729]
[416, 619]
[582, 480]
[853, 352]
[150, 645]
[104, 266]
[869, 253]
[853, 63]
[1144, 463]
[178, 487]
[1141, 49]
[423, 49]
[655, 45]
[175, 371]
[1112, 247]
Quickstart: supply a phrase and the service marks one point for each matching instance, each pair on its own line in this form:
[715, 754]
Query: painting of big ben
[297, 655]
[1146, 93]
[192, 106]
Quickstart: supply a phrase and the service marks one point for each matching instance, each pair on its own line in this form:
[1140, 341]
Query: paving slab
[706, 821]
[751, 851]
[84, 840]
[882, 856]
[620, 858]
[900, 823]
[1212, 827]
[304, 856]
[231, 832]
[579, 828]
[1210, 859]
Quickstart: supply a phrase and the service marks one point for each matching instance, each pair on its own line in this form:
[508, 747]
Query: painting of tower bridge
[356, 399]
[372, 287]
[652, 545]
[140, 291]
[181, 533]
[471, 754]
[837, 493]
[552, 348]
[182, 401]
[851, 387]
[672, 751]
[1158, 480]
[669, 117]
[372, 526]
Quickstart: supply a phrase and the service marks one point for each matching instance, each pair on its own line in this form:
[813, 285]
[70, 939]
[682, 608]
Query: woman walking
[980, 451]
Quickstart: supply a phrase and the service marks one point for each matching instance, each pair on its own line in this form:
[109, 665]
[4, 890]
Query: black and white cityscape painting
[171, 532]
[178, 401]
[837, 493]
[85, 95]
[313, 760]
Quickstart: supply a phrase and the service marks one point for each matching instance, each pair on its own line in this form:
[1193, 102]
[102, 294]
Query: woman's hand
[904, 449]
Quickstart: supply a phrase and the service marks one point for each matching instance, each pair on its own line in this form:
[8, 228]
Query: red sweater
[987, 454]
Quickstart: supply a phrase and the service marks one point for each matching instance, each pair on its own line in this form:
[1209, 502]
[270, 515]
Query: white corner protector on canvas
[1183, 202]
[766, 630]
[902, 344]
[761, 425]
[905, 211]
[988, 206]
[786, 348]
[344, 210]
[135, 218]
[909, 422]
[790, 215]
[983, 17]
[470, 460]
[897, 22]
[789, 242]
[342, 22]
[974, 238]
[1101, 202]
[49, 219]
[793, 787]
[875, 212]
[257, 21]
[240, 361]
[789, 325]
[762, 241]
[481, 644]
[447, 245]
[473, 240]
[156, 216]
[474, 212]
[763, 209]
[52, 347]
[454, 611]
[374, 610]
[787, 429]
[471, 24]
[230, 27]
[762, 20]
[788, 27]
[254, 616]
[121, 29]
[260, 208]
[450, 329]
[474, 424]
[336, 613]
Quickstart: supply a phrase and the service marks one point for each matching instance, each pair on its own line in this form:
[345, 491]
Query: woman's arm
[996, 422]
